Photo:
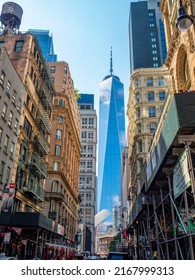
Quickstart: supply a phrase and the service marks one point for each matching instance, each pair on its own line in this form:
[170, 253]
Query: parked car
[93, 258]
[79, 257]
[117, 256]
[8, 258]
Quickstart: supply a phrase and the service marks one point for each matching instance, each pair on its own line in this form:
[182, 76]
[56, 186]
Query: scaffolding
[163, 213]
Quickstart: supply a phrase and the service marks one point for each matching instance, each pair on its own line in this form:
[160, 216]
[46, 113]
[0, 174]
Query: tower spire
[111, 70]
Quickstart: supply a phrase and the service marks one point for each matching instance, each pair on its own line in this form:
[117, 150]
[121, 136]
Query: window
[33, 110]
[2, 78]
[56, 166]
[8, 174]
[151, 112]
[60, 102]
[1, 133]
[27, 128]
[52, 207]
[82, 180]
[151, 96]
[90, 135]
[12, 150]
[155, 58]
[90, 165]
[64, 80]
[139, 147]
[6, 143]
[16, 126]
[10, 118]
[89, 179]
[2, 170]
[83, 134]
[14, 96]
[161, 96]
[136, 82]
[59, 134]
[57, 150]
[153, 39]
[154, 52]
[138, 112]
[23, 153]
[55, 187]
[151, 25]
[63, 90]
[139, 129]
[155, 65]
[84, 122]
[137, 97]
[2, 44]
[65, 69]
[149, 82]
[52, 69]
[152, 127]
[91, 122]
[19, 46]
[4, 111]
[153, 46]
[8, 88]
[160, 81]
[60, 120]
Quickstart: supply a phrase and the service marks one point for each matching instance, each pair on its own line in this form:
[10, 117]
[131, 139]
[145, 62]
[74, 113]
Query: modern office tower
[147, 45]
[46, 44]
[111, 142]
[64, 155]
[147, 93]
[87, 176]
[11, 105]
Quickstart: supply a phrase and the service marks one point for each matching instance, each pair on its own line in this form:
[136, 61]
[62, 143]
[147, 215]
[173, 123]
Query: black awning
[26, 219]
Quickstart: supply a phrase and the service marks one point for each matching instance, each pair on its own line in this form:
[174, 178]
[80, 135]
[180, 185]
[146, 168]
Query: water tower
[11, 16]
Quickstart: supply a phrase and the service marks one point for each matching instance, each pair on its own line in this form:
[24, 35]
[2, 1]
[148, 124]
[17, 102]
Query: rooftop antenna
[111, 70]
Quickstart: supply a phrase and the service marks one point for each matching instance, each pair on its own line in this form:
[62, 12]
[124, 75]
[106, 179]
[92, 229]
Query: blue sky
[83, 33]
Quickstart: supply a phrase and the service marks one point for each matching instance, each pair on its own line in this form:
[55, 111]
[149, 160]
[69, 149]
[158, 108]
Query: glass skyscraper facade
[111, 142]
[147, 47]
[46, 44]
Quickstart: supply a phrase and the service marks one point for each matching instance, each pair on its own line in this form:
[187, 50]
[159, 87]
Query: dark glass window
[19, 46]
[52, 69]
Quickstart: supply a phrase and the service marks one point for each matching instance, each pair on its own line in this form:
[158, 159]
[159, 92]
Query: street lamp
[184, 21]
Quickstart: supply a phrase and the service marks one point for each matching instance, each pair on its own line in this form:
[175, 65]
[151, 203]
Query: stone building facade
[148, 91]
[62, 199]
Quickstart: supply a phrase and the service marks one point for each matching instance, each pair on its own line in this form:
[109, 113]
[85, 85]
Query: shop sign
[181, 176]
[60, 229]
[6, 239]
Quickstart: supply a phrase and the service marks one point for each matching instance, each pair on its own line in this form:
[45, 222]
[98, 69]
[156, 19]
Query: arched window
[60, 102]
[58, 134]
[60, 120]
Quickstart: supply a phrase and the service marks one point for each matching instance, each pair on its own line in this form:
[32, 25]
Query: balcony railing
[36, 192]
[38, 170]
[41, 145]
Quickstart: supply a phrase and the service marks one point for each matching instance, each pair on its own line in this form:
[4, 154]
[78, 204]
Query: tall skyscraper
[46, 44]
[147, 45]
[111, 141]
[87, 176]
